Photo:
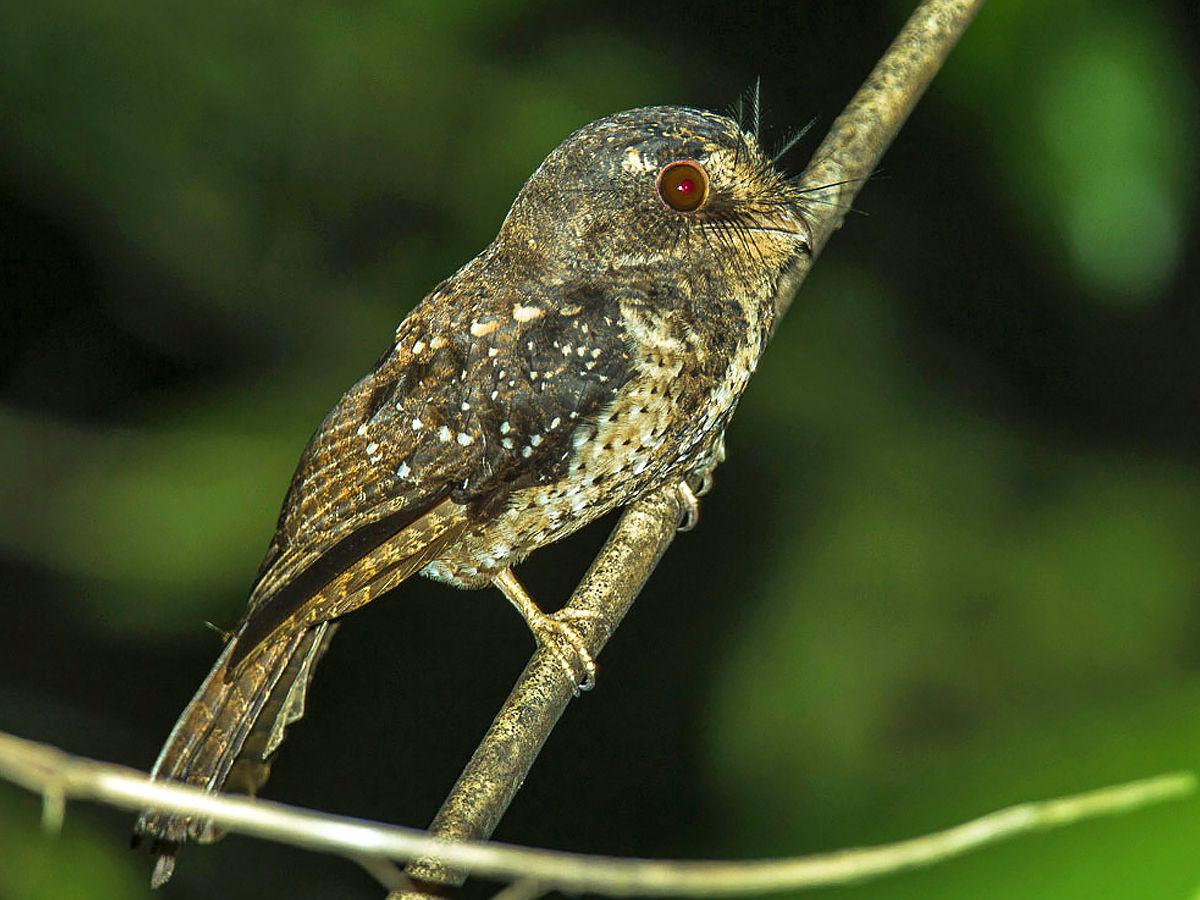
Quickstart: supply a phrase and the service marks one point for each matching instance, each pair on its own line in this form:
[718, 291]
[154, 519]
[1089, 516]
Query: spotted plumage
[596, 350]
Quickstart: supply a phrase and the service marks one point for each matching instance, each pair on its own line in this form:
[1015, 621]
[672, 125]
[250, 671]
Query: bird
[593, 352]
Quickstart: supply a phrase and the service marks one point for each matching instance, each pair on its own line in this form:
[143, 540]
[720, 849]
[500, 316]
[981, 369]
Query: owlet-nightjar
[593, 352]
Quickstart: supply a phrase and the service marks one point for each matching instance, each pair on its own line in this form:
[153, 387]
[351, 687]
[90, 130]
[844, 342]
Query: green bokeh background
[952, 563]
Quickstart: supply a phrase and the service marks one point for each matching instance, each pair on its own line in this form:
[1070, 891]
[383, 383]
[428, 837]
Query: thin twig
[49, 771]
[840, 166]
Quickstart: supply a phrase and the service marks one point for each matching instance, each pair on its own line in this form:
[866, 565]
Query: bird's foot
[696, 485]
[554, 631]
[690, 502]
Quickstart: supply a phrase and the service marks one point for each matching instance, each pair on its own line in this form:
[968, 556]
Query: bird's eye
[683, 186]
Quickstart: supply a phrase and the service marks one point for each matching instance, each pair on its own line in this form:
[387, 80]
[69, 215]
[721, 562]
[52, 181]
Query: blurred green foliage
[75, 864]
[1092, 113]
[957, 539]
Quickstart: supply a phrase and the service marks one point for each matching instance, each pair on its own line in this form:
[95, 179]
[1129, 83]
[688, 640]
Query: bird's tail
[225, 738]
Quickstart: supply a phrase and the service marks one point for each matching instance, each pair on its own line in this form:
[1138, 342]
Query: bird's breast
[660, 428]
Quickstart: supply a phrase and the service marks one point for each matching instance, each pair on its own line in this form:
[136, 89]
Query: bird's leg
[552, 630]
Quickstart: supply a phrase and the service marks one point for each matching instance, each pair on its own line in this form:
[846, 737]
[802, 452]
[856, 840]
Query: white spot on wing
[527, 313]
[480, 329]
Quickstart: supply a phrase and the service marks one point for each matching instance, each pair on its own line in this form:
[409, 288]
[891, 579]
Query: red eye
[683, 186]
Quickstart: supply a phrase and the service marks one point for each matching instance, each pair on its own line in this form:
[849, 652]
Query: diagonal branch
[58, 776]
[498, 768]
[842, 163]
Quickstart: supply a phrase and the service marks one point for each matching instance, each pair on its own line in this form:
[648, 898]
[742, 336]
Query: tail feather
[225, 738]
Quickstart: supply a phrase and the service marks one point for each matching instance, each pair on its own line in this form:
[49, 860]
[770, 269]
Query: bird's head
[659, 186]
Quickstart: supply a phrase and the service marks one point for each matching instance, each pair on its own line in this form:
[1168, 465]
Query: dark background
[952, 563]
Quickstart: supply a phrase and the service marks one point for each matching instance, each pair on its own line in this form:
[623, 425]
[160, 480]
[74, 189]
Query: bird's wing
[461, 410]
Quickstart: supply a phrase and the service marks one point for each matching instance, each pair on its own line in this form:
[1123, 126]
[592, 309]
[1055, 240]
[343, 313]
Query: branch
[58, 776]
[840, 166]
[504, 757]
